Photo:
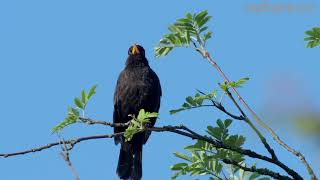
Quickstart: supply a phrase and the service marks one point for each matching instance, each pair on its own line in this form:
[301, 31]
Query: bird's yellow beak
[135, 50]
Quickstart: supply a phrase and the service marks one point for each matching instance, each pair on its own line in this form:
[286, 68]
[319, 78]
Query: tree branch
[92, 122]
[262, 171]
[193, 135]
[181, 130]
[217, 144]
[247, 120]
[66, 157]
[219, 106]
[71, 143]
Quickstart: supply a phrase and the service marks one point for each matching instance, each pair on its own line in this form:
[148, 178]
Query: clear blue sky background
[51, 50]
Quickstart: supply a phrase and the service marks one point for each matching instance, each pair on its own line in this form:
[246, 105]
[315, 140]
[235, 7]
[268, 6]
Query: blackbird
[138, 87]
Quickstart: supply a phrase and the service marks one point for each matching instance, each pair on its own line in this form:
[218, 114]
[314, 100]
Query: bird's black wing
[117, 112]
[129, 96]
[153, 102]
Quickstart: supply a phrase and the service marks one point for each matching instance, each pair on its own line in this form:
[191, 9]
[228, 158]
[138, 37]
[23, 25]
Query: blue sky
[51, 50]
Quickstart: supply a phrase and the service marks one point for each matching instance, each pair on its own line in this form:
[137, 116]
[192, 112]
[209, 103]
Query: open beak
[135, 50]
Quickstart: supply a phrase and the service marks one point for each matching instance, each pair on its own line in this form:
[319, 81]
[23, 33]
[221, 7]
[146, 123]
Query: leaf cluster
[205, 159]
[189, 29]
[74, 113]
[194, 102]
[138, 124]
[233, 84]
[313, 37]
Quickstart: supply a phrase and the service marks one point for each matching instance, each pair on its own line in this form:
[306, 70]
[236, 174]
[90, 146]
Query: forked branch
[181, 130]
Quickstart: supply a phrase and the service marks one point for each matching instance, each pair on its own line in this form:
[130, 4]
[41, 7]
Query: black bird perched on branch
[138, 87]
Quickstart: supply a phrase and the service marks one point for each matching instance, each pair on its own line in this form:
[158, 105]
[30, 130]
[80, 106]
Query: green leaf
[130, 131]
[190, 100]
[254, 176]
[142, 114]
[224, 86]
[84, 97]
[227, 122]
[234, 84]
[175, 175]
[178, 166]
[162, 51]
[186, 105]
[204, 21]
[174, 111]
[264, 178]
[72, 117]
[152, 115]
[187, 37]
[242, 81]
[207, 35]
[215, 132]
[240, 141]
[310, 33]
[189, 16]
[183, 156]
[314, 37]
[199, 99]
[218, 167]
[213, 94]
[193, 148]
[199, 17]
[73, 112]
[78, 103]
[92, 91]
[309, 38]
[220, 124]
[184, 21]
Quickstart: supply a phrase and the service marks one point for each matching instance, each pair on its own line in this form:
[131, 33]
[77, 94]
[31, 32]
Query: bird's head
[136, 50]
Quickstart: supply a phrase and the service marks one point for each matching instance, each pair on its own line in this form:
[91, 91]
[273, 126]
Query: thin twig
[71, 142]
[219, 106]
[92, 122]
[247, 120]
[66, 157]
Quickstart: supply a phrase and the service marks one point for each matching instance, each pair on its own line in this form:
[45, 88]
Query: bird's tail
[130, 162]
[136, 173]
[125, 161]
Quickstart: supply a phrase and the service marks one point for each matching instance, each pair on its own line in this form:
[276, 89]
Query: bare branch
[71, 142]
[247, 120]
[66, 157]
